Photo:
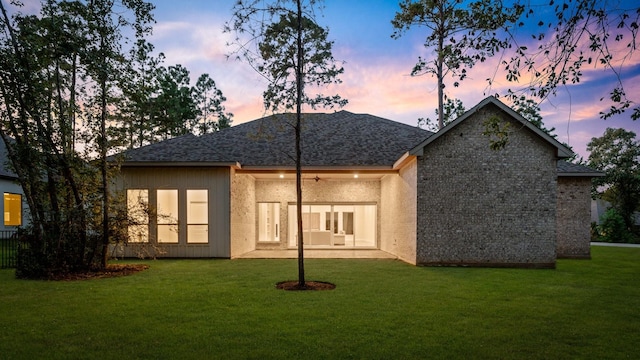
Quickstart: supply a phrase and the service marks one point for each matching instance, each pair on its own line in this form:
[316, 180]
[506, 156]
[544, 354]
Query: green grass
[381, 309]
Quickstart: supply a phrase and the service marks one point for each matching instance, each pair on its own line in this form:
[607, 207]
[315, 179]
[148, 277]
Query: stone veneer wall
[398, 213]
[323, 191]
[574, 217]
[243, 214]
[483, 207]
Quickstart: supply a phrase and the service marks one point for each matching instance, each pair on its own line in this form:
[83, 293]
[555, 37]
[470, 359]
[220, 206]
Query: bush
[613, 229]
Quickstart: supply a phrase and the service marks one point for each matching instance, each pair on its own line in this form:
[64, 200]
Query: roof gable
[562, 151]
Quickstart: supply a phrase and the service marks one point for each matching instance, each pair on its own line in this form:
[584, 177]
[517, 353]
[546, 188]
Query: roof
[562, 151]
[340, 139]
[329, 140]
[576, 170]
[182, 149]
[5, 170]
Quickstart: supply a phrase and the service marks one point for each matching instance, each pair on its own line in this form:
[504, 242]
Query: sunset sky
[376, 78]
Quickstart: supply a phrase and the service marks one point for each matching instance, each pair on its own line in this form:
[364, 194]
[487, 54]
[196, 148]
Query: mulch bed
[294, 285]
[112, 270]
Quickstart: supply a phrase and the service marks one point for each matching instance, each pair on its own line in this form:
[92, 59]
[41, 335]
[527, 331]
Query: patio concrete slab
[318, 254]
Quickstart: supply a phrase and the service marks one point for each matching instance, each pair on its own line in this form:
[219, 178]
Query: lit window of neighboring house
[12, 209]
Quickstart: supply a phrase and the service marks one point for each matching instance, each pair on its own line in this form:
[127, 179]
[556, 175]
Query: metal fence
[8, 248]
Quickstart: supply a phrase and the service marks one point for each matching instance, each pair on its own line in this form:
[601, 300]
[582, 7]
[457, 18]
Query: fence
[8, 248]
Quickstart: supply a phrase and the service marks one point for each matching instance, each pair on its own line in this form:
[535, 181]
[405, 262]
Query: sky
[377, 68]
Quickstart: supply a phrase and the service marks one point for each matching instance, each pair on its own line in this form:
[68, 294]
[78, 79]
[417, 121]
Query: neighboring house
[369, 183]
[12, 204]
[599, 207]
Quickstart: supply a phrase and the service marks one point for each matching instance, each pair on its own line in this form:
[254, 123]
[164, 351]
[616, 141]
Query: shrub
[613, 229]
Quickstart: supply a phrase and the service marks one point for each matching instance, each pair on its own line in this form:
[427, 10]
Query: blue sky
[377, 67]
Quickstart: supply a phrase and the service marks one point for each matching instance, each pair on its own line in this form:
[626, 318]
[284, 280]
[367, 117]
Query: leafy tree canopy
[617, 154]
[461, 33]
[569, 38]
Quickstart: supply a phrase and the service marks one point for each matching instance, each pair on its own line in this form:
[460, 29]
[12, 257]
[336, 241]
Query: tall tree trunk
[103, 161]
[439, 67]
[299, 81]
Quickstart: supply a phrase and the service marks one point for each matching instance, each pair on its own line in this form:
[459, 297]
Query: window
[167, 216]
[268, 221]
[138, 216]
[340, 226]
[197, 216]
[12, 209]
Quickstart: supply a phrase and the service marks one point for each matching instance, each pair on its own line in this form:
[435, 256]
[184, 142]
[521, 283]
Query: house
[12, 195]
[368, 184]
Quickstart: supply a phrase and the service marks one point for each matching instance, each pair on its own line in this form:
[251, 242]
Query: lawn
[381, 309]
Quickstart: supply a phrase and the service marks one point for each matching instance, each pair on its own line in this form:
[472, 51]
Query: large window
[167, 216]
[197, 216]
[339, 226]
[12, 209]
[177, 213]
[138, 215]
[269, 222]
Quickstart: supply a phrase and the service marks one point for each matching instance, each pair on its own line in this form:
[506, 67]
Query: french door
[334, 225]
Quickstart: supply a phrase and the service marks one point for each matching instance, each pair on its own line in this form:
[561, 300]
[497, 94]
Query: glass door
[335, 226]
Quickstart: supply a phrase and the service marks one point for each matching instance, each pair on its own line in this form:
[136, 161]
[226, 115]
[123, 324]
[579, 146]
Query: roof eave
[580, 174]
[323, 169]
[404, 159]
[232, 164]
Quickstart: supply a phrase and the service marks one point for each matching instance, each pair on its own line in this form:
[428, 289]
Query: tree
[453, 108]
[178, 108]
[617, 154]
[174, 106]
[210, 113]
[138, 86]
[574, 35]
[56, 68]
[461, 33]
[292, 52]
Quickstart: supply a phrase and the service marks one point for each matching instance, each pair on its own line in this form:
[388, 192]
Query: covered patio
[318, 254]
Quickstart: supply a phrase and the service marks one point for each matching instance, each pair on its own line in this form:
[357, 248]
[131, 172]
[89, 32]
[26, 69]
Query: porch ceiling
[319, 175]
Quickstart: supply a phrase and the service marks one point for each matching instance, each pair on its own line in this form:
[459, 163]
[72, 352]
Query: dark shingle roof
[340, 139]
[335, 139]
[570, 169]
[186, 148]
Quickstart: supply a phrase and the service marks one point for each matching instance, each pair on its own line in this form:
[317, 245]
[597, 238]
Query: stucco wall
[574, 217]
[243, 214]
[483, 207]
[323, 191]
[398, 213]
